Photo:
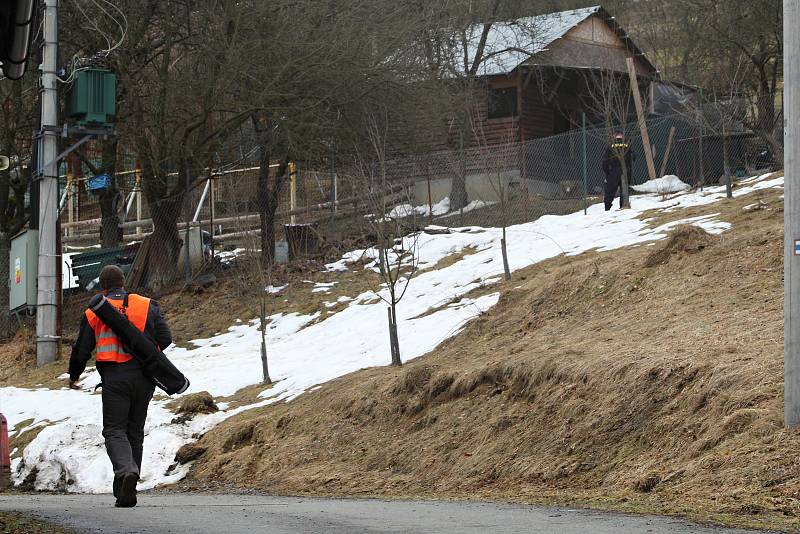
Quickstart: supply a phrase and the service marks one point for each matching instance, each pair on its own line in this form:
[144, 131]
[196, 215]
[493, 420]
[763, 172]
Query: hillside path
[231, 514]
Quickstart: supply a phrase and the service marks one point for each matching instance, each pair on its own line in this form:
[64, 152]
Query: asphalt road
[230, 514]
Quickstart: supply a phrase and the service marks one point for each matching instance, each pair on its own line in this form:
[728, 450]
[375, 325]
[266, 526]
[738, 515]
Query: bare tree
[173, 115]
[17, 120]
[721, 112]
[395, 253]
[253, 271]
[493, 160]
[703, 41]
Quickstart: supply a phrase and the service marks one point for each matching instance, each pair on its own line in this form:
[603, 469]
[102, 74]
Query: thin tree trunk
[110, 232]
[505, 256]
[458, 190]
[166, 243]
[7, 324]
[266, 211]
[394, 341]
[263, 317]
[504, 240]
[626, 200]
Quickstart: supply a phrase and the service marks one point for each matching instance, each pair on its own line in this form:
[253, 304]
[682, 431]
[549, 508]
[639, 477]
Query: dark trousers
[126, 396]
[613, 184]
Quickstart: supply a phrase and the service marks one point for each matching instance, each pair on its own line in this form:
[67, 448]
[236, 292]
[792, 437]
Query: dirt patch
[683, 239]
[593, 381]
[189, 453]
[196, 403]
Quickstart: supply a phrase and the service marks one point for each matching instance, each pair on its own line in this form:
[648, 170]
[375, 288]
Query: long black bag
[155, 364]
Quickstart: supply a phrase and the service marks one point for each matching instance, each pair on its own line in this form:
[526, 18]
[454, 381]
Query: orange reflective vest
[109, 348]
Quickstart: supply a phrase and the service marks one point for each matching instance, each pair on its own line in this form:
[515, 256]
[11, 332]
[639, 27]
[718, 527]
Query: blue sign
[98, 183]
[797, 247]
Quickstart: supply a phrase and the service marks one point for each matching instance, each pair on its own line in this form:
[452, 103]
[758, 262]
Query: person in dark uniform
[126, 390]
[618, 152]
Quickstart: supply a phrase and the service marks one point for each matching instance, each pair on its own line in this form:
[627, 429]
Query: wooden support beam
[666, 152]
[637, 100]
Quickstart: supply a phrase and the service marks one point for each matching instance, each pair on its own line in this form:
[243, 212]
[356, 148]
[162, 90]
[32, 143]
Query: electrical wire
[79, 63]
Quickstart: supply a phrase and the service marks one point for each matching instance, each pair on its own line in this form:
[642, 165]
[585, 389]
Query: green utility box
[92, 99]
[24, 266]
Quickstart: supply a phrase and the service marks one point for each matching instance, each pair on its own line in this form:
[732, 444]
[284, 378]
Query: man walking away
[126, 390]
[616, 154]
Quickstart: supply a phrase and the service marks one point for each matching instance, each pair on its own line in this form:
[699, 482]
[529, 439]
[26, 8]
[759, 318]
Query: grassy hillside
[645, 379]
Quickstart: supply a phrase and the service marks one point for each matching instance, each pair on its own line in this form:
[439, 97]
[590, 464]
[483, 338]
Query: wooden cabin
[538, 79]
[542, 91]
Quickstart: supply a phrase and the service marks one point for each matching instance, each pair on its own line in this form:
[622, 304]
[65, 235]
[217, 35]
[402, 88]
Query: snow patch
[666, 184]
[474, 205]
[273, 290]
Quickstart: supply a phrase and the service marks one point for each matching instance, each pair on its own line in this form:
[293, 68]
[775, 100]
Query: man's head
[619, 136]
[111, 277]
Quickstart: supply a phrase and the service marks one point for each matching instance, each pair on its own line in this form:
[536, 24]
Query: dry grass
[22, 436]
[659, 217]
[684, 239]
[519, 210]
[18, 363]
[196, 403]
[14, 523]
[599, 381]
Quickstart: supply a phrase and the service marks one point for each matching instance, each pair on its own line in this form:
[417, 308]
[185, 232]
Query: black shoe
[117, 485]
[127, 491]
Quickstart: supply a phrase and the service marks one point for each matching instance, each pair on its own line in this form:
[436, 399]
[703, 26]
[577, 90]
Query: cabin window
[503, 103]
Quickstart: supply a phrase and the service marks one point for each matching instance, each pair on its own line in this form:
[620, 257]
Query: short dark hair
[111, 277]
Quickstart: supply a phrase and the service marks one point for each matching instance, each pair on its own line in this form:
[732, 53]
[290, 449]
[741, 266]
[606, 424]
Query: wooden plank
[136, 276]
[637, 100]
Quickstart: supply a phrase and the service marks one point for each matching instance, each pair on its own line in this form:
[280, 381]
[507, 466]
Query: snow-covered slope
[304, 352]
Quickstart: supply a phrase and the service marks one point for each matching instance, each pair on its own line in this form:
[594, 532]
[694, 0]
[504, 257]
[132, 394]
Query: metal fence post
[187, 269]
[584, 169]
[702, 131]
[5, 454]
[334, 185]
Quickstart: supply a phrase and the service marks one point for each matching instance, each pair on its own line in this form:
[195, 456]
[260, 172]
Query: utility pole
[47, 340]
[791, 315]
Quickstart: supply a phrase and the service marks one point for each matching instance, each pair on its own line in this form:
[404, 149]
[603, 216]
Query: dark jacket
[156, 327]
[611, 160]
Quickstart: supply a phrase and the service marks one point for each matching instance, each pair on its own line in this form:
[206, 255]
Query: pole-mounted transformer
[16, 29]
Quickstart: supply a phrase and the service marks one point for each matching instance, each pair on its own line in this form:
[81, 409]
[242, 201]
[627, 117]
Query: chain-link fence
[518, 182]
[316, 209]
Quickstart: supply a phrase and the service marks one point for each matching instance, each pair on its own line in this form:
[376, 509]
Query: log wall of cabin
[496, 131]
